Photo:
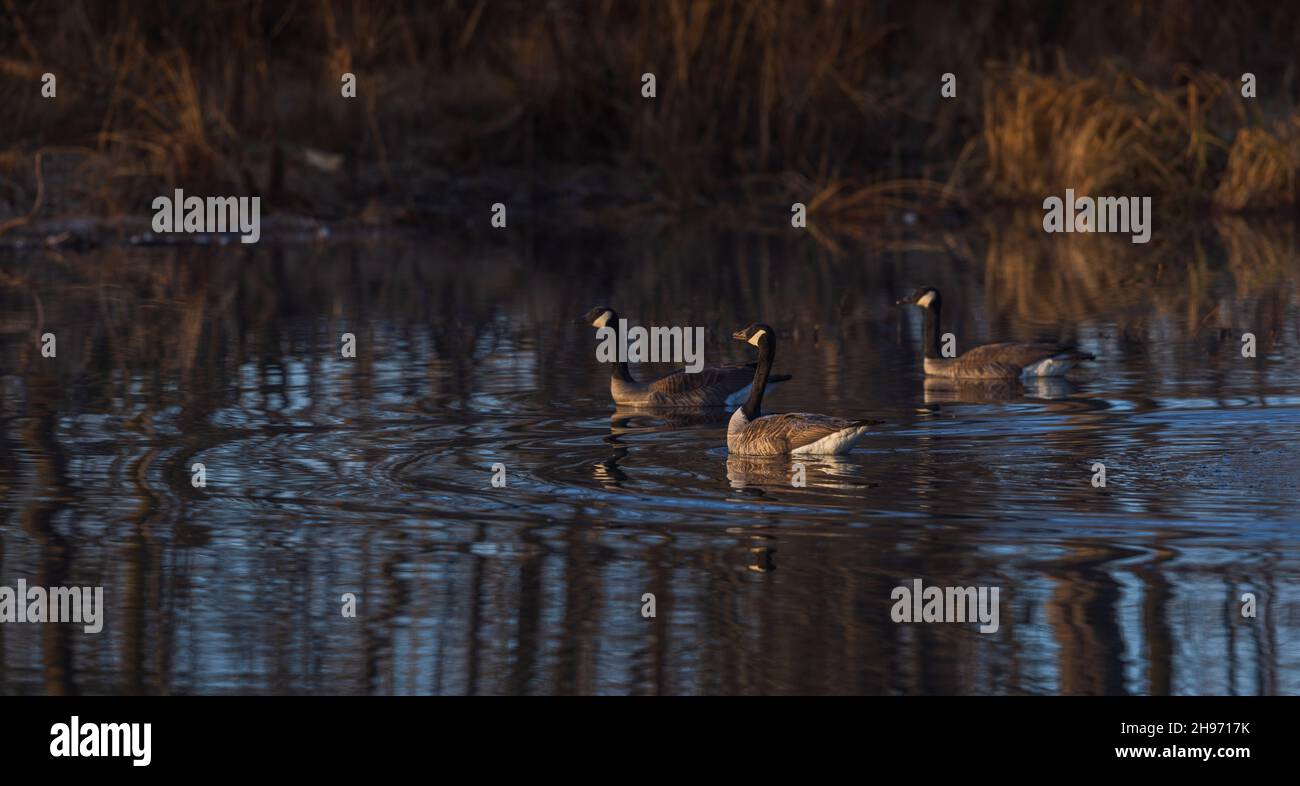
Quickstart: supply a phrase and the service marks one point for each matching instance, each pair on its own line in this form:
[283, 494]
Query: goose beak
[739, 335]
[907, 301]
[582, 320]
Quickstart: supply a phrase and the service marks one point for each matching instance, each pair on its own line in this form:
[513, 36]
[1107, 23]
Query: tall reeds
[759, 103]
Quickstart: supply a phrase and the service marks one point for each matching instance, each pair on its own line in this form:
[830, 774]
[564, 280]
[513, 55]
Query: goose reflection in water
[939, 390]
[647, 421]
[750, 473]
[632, 421]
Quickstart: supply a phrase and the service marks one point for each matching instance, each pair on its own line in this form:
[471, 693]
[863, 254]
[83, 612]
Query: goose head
[925, 297]
[598, 317]
[757, 334]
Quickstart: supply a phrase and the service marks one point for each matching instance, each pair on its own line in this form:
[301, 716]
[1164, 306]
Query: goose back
[711, 387]
[793, 432]
[1007, 360]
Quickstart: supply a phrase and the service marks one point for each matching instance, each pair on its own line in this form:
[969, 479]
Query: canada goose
[712, 386]
[752, 434]
[1005, 360]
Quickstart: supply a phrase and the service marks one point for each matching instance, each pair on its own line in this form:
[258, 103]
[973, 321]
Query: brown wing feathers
[731, 378]
[1018, 354]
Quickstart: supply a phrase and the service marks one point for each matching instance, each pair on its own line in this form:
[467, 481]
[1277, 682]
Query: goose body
[1004, 360]
[712, 386]
[794, 433]
[750, 433]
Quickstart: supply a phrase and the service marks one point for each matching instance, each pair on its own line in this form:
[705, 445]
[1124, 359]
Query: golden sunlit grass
[1261, 170]
[1117, 134]
[1042, 134]
[760, 103]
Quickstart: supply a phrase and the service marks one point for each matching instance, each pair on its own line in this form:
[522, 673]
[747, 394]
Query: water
[371, 475]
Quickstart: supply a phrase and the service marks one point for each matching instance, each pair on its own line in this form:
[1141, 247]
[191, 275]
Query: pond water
[371, 475]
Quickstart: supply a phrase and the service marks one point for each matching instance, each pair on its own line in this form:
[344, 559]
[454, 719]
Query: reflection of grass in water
[1262, 256]
[192, 320]
[1039, 279]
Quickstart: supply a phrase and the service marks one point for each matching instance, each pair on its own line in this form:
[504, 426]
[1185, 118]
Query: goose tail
[1073, 353]
[1056, 364]
[866, 423]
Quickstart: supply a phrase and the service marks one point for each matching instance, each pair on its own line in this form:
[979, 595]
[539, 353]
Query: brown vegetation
[760, 103]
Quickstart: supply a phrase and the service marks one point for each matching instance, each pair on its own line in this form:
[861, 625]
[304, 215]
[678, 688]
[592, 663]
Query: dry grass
[1046, 133]
[760, 103]
[1261, 169]
[1115, 133]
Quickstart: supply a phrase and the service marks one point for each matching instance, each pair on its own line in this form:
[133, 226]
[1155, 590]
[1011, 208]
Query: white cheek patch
[603, 319]
[925, 299]
[755, 338]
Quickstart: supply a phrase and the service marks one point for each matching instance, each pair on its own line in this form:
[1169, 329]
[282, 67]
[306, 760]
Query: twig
[19, 221]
